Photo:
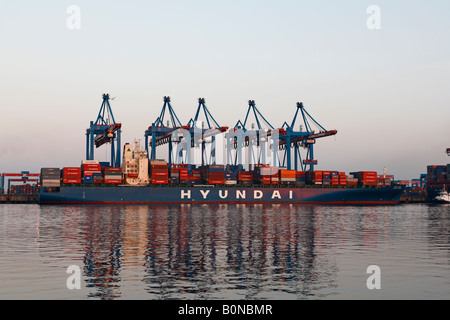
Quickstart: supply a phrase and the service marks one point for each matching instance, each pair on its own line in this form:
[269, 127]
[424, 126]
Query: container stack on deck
[213, 174]
[71, 175]
[230, 178]
[288, 177]
[91, 171]
[179, 174]
[50, 177]
[438, 174]
[366, 178]
[195, 177]
[245, 177]
[159, 172]
[112, 175]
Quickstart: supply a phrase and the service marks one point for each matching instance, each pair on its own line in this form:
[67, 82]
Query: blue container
[87, 179]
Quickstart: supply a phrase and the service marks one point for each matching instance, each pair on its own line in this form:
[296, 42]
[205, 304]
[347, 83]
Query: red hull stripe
[226, 202]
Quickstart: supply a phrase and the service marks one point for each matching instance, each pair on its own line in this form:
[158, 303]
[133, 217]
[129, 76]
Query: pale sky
[384, 90]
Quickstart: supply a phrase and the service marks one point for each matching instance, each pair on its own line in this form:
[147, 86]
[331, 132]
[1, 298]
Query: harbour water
[224, 252]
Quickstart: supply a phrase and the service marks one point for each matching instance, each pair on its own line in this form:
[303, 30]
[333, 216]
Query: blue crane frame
[104, 130]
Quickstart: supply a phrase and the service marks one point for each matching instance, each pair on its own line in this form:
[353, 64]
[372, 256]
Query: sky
[385, 89]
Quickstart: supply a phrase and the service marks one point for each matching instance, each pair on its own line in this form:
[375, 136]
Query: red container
[158, 174]
[113, 181]
[300, 174]
[72, 175]
[160, 181]
[92, 167]
[112, 169]
[71, 170]
[246, 176]
[71, 180]
[216, 181]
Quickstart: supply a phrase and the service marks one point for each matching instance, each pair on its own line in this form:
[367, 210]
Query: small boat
[442, 197]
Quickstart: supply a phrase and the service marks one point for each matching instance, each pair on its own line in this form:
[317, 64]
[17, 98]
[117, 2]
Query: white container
[51, 183]
[268, 171]
[90, 162]
[116, 177]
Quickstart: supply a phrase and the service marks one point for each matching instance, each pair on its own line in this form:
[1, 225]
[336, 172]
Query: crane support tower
[200, 133]
[160, 133]
[104, 130]
[292, 140]
[243, 137]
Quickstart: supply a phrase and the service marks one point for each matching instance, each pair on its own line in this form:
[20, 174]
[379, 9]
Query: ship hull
[220, 195]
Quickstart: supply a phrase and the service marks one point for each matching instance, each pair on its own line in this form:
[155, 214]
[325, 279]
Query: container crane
[295, 139]
[210, 131]
[104, 130]
[241, 136]
[23, 176]
[160, 133]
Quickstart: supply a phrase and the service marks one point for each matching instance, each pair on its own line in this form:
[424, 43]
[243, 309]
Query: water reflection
[224, 251]
[204, 252]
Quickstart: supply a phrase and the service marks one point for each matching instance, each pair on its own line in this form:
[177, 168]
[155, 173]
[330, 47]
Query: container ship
[140, 180]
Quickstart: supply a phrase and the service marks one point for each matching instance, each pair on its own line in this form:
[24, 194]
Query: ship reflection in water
[203, 252]
[240, 251]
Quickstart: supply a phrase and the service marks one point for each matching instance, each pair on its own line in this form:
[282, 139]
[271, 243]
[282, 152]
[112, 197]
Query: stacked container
[245, 177]
[310, 177]
[342, 179]
[230, 178]
[159, 172]
[318, 175]
[195, 177]
[92, 171]
[275, 178]
[384, 181]
[326, 178]
[112, 175]
[179, 173]
[213, 174]
[300, 178]
[352, 180]
[366, 178]
[23, 189]
[263, 174]
[287, 176]
[50, 177]
[334, 178]
[72, 175]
